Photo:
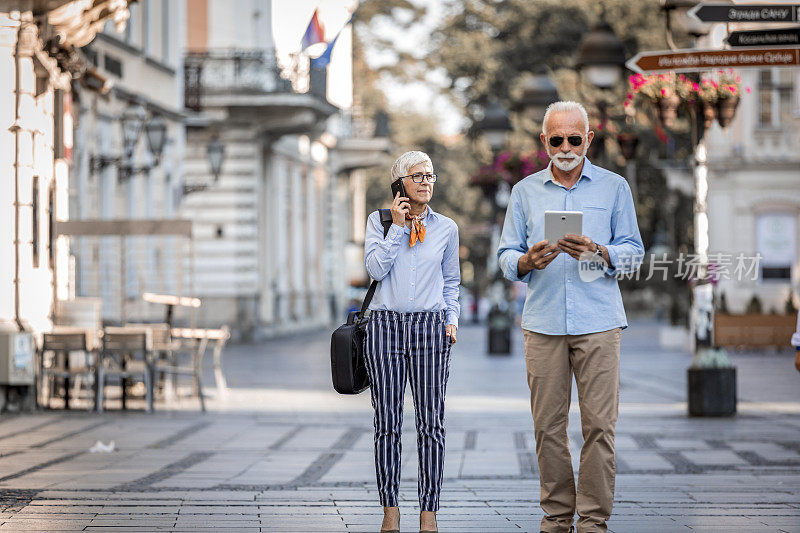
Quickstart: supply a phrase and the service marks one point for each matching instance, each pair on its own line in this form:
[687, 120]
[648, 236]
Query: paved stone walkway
[281, 452]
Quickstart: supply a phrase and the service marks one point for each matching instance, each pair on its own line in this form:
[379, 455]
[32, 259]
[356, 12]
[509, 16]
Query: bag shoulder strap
[386, 222]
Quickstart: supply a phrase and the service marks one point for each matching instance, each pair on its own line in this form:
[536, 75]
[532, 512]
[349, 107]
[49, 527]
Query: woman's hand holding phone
[400, 207]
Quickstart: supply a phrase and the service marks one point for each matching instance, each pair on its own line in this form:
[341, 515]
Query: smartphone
[397, 186]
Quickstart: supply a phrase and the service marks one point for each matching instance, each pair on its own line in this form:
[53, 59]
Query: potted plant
[712, 98]
[711, 380]
[509, 167]
[658, 89]
[702, 95]
[729, 90]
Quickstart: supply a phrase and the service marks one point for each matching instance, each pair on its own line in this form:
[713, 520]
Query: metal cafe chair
[125, 356]
[54, 364]
[166, 353]
[195, 341]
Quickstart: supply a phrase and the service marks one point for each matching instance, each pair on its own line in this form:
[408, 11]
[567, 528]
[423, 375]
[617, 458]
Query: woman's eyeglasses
[574, 140]
[418, 177]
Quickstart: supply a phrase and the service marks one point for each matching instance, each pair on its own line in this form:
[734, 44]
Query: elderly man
[572, 322]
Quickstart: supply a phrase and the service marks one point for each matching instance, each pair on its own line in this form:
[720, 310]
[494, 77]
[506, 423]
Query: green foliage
[484, 49]
[754, 306]
[789, 307]
[485, 46]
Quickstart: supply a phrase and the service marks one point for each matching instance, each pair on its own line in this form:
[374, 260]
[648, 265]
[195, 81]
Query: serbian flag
[324, 60]
[315, 33]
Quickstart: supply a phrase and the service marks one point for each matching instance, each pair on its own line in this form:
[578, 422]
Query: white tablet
[559, 223]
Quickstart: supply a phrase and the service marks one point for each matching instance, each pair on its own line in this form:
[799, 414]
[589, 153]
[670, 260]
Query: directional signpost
[777, 37]
[726, 12]
[702, 60]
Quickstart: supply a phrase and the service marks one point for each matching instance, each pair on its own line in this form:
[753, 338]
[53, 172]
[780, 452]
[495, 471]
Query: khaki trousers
[551, 360]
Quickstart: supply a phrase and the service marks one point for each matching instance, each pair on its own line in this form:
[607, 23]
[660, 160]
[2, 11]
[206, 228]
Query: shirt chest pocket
[597, 223]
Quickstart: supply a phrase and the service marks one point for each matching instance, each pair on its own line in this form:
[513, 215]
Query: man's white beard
[568, 161]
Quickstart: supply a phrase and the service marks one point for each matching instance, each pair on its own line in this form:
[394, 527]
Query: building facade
[116, 179]
[40, 67]
[271, 229]
[754, 189]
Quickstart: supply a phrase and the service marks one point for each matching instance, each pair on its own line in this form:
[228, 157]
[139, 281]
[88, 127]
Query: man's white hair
[563, 107]
[409, 160]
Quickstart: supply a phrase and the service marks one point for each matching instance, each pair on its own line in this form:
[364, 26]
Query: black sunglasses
[574, 140]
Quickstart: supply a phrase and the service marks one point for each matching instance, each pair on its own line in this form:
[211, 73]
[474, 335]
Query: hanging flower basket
[726, 110]
[509, 167]
[708, 111]
[711, 97]
[667, 109]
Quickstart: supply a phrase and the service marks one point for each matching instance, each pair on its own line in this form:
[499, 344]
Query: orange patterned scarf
[417, 228]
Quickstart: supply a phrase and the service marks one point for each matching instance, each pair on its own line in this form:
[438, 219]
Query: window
[129, 26]
[775, 97]
[112, 65]
[35, 221]
[776, 241]
[146, 45]
[165, 27]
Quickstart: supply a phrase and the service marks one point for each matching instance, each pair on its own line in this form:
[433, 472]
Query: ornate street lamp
[215, 152]
[132, 120]
[601, 62]
[495, 126]
[538, 92]
[711, 378]
[676, 18]
[156, 132]
[601, 57]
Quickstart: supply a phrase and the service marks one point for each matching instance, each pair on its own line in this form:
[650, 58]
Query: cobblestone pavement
[281, 452]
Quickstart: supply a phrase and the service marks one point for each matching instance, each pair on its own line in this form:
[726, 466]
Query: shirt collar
[587, 172]
[425, 219]
[427, 215]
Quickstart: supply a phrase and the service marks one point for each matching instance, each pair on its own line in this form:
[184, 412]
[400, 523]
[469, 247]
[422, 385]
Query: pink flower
[695, 86]
[663, 92]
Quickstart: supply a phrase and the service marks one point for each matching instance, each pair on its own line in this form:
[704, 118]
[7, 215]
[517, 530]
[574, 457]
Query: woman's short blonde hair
[409, 160]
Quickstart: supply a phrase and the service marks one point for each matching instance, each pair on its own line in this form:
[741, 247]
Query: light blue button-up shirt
[558, 302]
[424, 277]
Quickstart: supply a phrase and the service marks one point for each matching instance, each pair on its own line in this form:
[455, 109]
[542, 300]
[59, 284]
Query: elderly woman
[411, 329]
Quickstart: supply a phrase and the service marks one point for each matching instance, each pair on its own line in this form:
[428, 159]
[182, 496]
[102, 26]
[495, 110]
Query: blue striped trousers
[413, 345]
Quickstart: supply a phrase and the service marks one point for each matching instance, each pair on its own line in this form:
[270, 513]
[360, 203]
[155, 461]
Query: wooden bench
[753, 331]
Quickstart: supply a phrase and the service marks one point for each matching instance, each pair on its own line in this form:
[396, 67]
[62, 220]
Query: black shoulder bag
[348, 368]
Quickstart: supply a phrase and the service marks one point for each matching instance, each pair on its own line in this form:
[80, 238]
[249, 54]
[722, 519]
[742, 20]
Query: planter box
[499, 341]
[712, 391]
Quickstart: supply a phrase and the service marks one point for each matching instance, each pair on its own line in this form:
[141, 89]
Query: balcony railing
[231, 70]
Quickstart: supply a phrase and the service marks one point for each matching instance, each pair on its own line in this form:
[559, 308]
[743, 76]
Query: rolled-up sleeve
[380, 253]
[513, 240]
[625, 250]
[452, 278]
